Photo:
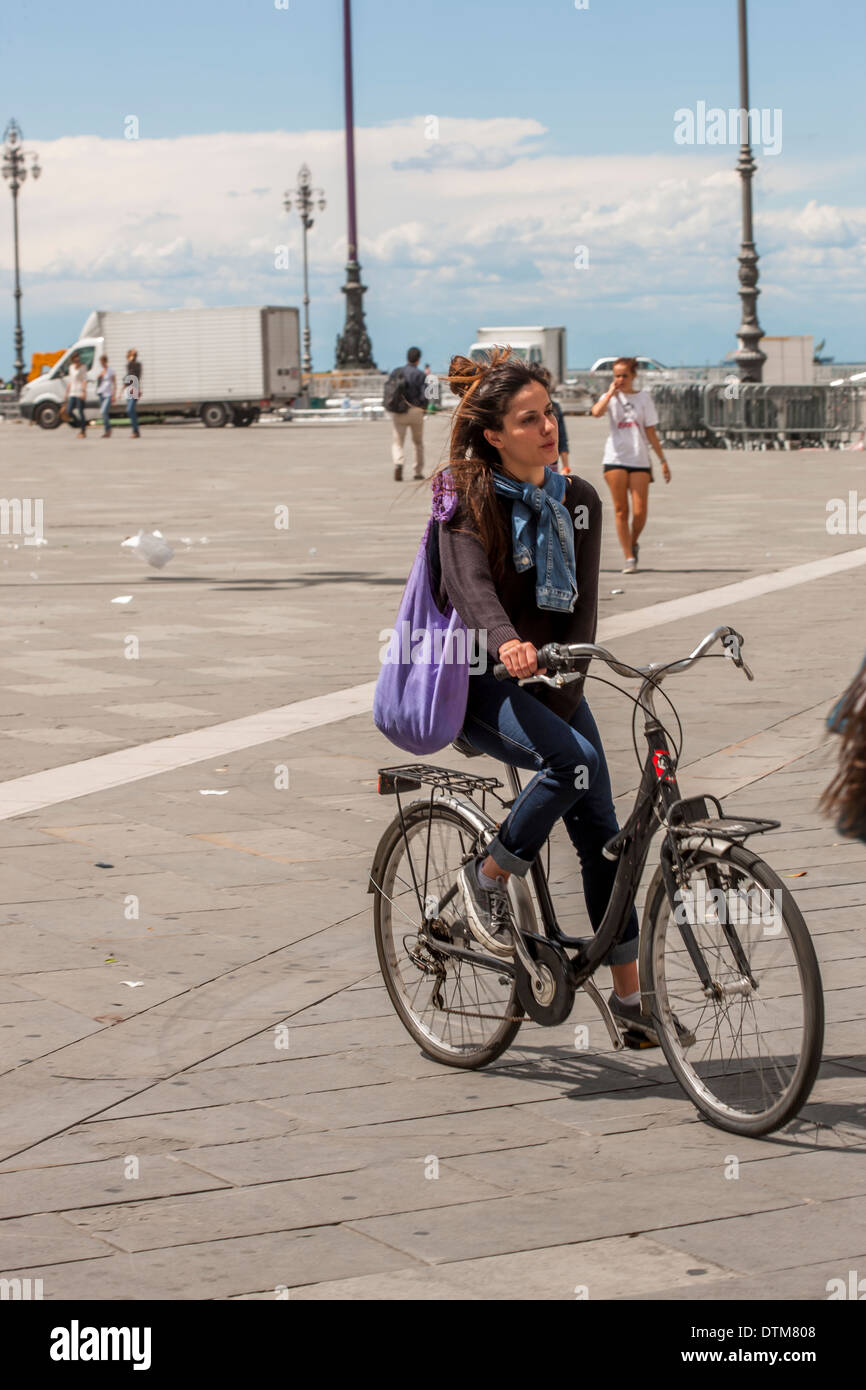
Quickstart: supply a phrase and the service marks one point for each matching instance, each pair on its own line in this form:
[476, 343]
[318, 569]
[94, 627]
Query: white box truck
[217, 364]
[545, 345]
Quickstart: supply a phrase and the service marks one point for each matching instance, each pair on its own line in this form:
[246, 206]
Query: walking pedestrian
[132, 387]
[431, 390]
[845, 798]
[562, 438]
[521, 572]
[76, 393]
[106, 390]
[404, 398]
[626, 461]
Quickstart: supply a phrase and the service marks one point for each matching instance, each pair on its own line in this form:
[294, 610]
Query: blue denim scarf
[541, 529]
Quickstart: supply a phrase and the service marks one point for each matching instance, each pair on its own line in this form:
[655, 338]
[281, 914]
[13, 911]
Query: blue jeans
[75, 406]
[572, 783]
[132, 412]
[105, 410]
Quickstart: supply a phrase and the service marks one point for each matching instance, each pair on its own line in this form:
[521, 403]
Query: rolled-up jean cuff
[622, 953]
[506, 860]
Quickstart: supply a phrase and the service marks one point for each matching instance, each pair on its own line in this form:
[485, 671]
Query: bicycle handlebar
[560, 657]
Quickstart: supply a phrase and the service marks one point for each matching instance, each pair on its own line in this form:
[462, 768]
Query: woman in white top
[627, 466]
[76, 392]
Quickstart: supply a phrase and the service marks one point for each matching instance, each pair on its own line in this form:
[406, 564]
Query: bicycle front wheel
[749, 1043]
[459, 1013]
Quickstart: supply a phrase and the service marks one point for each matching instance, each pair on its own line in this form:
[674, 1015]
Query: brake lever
[557, 682]
[732, 643]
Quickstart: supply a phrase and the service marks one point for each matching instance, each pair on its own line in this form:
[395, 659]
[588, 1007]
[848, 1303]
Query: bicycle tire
[418, 814]
[657, 920]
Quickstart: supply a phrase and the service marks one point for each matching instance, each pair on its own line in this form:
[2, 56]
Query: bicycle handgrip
[500, 670]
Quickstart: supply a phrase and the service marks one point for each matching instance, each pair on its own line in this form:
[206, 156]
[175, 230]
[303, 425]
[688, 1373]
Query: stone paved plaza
[156, 1142]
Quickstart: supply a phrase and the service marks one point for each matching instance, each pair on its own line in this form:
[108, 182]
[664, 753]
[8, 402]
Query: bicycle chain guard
[552, 1003]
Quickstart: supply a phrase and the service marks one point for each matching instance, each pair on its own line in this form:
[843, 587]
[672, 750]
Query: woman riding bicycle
[520, 563]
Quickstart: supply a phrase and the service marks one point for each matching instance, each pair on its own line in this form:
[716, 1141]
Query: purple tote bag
[420, 698]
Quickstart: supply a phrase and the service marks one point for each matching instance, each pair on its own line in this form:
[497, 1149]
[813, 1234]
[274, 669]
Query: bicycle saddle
[463, 746]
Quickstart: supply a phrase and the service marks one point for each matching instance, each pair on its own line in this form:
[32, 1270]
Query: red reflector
[662, 765]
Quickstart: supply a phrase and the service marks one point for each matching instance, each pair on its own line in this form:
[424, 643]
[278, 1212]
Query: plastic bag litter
[151, 546]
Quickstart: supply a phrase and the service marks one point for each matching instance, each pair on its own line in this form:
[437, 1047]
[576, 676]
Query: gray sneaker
[630, 1019]
[488, 912]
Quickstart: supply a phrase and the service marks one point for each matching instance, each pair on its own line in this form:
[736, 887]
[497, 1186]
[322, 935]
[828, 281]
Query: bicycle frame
[657, 792]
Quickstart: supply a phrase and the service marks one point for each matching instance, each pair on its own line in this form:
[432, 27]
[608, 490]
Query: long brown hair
[486, 389]
[845, 797]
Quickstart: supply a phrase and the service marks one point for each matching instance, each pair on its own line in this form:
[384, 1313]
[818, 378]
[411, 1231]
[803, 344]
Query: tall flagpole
[354, 349]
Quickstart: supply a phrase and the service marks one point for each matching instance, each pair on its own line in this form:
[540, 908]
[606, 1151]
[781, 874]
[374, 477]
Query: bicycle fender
[716, 843]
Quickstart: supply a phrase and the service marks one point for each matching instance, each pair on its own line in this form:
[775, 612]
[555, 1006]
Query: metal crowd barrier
[735, 414]
[680, 408]
[774, 417]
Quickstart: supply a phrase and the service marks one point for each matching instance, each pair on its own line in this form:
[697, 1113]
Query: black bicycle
[728, 973]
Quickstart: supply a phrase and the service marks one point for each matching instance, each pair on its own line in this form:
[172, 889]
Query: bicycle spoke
[474, 1006]
[749, 1025]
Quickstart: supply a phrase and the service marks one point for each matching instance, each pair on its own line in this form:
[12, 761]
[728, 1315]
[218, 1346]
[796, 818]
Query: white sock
[629, 999]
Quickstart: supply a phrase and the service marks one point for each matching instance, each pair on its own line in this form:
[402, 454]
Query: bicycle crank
[547, 996]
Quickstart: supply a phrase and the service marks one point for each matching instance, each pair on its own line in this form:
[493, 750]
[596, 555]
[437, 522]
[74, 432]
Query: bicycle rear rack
[412, 775]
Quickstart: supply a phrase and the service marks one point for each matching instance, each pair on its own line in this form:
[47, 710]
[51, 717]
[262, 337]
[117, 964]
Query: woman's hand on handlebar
[519, 658]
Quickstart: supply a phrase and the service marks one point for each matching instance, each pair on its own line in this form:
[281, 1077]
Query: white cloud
[482, 214]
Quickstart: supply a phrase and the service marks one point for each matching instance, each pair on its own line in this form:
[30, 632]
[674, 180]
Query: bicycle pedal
[631, 1038]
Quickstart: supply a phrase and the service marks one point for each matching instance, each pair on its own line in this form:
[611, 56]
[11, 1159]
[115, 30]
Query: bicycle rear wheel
[758, 1030]
[459, 1013]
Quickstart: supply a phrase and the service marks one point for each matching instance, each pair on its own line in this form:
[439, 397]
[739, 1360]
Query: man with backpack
[406, 403]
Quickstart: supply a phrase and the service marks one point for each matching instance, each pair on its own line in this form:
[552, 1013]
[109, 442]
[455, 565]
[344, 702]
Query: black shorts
[609, 466]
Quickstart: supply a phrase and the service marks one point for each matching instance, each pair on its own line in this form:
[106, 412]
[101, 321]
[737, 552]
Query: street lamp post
[15, 170]
[354, 349]
[305, 196]
[749, 357]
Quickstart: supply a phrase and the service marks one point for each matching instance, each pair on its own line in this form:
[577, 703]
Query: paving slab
[400, 1185]
[809, 1282]
[585, 1211]
[45, 1239]
[33, 1029]
[829, 1230]
[633, 1267]
[157, 1134]
[219, 1269]
[91, 1184]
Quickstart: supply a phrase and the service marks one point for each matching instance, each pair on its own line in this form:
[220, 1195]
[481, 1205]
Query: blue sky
[566, 115]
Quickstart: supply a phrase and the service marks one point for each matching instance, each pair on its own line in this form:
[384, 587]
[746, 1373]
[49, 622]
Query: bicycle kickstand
[600, 1003]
